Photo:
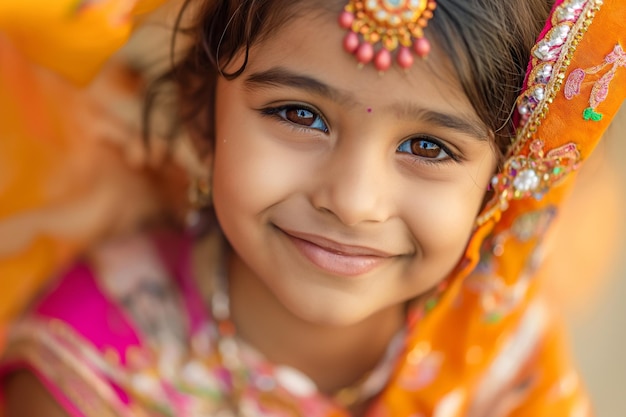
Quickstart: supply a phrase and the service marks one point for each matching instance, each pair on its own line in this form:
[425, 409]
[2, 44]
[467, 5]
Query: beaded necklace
[230, 355]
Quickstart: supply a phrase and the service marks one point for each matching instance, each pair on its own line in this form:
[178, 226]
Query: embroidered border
[550, 60]
[52, 350]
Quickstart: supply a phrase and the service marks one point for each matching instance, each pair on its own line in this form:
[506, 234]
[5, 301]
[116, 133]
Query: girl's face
[345, 191]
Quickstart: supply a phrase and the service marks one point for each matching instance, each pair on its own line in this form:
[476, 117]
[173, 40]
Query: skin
[312, 159]
[321, 344]
[26, 397]
[394, 181]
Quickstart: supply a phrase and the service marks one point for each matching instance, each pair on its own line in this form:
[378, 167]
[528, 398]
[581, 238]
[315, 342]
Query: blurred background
[102, 165]
[598, 328]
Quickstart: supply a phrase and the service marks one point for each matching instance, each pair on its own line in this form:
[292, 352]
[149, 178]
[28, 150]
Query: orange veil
[60, 188]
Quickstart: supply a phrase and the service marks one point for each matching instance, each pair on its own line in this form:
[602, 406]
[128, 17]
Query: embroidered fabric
[103, 348]
[488, 344]
[121, 358]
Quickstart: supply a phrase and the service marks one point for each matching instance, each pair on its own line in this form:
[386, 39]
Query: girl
[379, 219]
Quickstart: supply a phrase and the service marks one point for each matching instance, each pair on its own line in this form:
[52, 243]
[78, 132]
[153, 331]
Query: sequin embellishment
[600, 89]
[533, 175]
[545, 55]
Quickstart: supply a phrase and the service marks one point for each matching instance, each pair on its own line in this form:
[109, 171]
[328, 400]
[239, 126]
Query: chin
[329, 312]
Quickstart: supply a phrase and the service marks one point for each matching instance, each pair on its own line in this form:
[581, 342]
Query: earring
[199, 193]
[198, 219]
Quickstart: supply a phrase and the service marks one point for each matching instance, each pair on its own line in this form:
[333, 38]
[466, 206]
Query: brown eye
[423, 148]
[300, 116]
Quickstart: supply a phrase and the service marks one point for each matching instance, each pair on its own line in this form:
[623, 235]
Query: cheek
[252, 171]
[441, 216]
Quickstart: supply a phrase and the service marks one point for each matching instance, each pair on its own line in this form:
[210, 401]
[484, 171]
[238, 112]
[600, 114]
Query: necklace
[230, 354]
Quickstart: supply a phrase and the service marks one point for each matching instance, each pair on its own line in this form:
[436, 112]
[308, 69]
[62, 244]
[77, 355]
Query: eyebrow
[282, 77]
[466, 125]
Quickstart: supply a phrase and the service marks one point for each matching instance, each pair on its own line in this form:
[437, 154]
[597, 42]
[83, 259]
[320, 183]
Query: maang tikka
[397, 25]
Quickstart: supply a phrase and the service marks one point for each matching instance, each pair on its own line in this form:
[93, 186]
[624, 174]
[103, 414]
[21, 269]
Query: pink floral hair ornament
[397, 25]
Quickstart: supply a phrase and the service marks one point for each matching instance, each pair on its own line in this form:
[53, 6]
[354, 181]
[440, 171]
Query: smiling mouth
[336, 258]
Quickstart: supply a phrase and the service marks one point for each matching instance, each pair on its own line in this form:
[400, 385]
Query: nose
[353, 186]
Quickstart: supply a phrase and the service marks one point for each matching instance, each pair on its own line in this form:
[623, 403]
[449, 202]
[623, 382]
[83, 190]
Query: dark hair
[487, 41]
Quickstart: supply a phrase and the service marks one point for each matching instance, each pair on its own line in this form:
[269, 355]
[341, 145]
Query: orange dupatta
[49, 161]
[491, 333]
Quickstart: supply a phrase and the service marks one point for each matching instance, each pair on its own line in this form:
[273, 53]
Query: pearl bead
[346, 19]
[365, 53]
[351, 42]
[526, 180]
[405, 57]
[422, 47]
[382, 61]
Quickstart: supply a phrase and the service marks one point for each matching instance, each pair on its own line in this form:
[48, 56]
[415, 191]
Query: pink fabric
[175, 253]
[78, 301]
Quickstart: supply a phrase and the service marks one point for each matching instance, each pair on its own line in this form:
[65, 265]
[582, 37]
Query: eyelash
[275, 112]
[452, 156]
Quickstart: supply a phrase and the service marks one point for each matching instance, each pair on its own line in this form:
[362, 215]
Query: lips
[337, 258]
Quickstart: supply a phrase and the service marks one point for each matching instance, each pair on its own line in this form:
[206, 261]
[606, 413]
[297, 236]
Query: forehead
[311, 44]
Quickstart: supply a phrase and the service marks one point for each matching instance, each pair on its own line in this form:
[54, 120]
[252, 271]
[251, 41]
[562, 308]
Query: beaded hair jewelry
[397, 25]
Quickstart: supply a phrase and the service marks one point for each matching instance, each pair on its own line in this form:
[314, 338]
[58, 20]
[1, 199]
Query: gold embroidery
[533, 175]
